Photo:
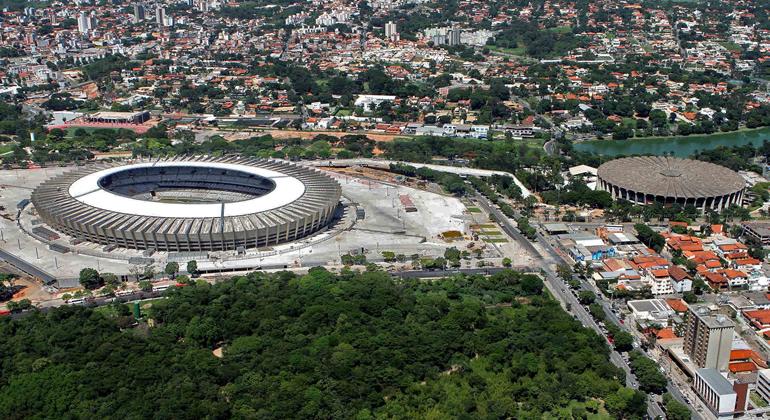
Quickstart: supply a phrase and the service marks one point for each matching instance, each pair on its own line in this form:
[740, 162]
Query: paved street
[550, 259]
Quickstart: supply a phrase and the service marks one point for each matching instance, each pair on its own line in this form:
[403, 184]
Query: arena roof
[189, 203]
[87, 190]
[671, 177]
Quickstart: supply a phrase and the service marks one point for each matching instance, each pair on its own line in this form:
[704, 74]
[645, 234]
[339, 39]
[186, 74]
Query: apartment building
[708, 338]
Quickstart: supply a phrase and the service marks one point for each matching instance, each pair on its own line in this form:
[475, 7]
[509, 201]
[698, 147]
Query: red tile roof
[742, 367]
[715, 278]
[678, 273]
[740, 354]
[677, 305]
[666, 333]
[759, 317]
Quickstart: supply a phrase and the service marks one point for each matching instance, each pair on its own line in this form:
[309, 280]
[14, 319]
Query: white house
[369, 102]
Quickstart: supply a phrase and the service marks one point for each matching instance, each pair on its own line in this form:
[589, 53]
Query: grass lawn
[70, 132]
[343, 112]
[629, 122]
[520, 50]
[484, 226]
[473, 210]
[533, 143]
[5, 148]
[731, 46]
[756, 400]
[491, 232]
[561, 29]
[495, 240]
[107, 310]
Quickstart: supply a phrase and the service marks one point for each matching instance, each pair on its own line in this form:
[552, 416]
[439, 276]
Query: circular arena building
[668, 180]
[189, 204]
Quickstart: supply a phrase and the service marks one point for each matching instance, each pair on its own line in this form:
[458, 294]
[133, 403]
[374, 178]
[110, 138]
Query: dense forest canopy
[321, 345]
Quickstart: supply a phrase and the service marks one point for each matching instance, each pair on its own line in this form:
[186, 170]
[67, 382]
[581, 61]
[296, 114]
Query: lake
[678, 146]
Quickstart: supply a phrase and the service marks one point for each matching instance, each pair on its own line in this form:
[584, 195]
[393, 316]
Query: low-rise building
[680, 280]
[763, 384]
[650, 310]
[719, 394]
[759, 231]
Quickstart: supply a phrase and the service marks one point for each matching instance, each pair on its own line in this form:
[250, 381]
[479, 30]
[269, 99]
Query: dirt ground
[285, 134]
[30, 289]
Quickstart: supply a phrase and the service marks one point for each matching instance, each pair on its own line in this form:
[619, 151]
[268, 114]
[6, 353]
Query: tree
[347, 259]
[324, 326]
[389, 256]
[507, 262]
[597, 311]
[586, 297]
[531, 285]
[192, 268]
[452, 254]
[649, 237]
[623, 341]
[90, 279]
[627, 403]
[19, 306]
[111, 279]
[172, 268]
[564, 272]
[674, 409]
[689, 297]
[646, 370]
[135, 271]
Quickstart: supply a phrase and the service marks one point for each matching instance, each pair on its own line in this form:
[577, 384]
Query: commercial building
[119, 117]
[391, 31]
[651, 310]
[160, 15]
[451, 36]
[370, 102]
[758, 230]
[189, 204]
[722, 397]
[666, 180]
[455, 35]
[708, 338]
[85, 23]
[139, 13]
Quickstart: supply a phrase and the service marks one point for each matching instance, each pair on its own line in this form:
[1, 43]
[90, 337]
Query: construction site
[380, 212]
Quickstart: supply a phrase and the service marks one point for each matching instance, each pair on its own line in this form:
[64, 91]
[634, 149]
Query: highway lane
[383, 163]
[671, 387]
[549, 262]
[557, 287]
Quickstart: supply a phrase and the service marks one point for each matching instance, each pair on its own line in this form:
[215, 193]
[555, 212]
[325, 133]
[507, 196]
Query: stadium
[189, 204]
[667, 180]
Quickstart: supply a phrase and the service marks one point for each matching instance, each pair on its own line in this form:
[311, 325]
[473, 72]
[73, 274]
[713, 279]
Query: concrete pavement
[384, 163]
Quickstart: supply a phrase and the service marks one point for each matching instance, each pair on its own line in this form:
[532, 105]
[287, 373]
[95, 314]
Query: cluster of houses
[618, 257]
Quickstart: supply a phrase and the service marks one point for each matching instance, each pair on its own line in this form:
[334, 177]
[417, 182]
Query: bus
[160, 288]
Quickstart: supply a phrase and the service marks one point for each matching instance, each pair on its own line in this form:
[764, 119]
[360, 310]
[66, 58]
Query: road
[612, 317]
[550, 259]
[383, 163]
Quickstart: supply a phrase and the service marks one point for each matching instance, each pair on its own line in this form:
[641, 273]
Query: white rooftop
[287, 190]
